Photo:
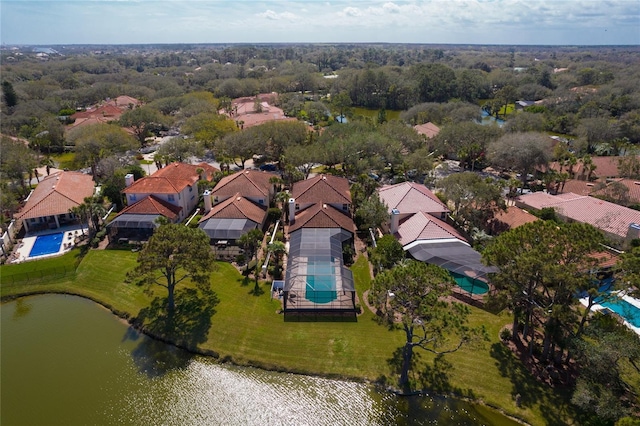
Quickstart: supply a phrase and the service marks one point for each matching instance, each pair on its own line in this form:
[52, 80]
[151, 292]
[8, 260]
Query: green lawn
[66, 160]
[249, 330]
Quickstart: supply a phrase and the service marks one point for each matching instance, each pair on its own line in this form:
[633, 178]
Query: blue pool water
[321, 286]
[46, 244]
[470, 285]
[625, 309]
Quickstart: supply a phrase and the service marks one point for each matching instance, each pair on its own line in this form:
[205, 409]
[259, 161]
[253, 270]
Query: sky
[510, 22]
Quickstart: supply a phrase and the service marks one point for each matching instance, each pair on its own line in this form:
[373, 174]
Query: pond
[68, 361]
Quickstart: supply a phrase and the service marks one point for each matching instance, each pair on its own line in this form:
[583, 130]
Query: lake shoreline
[126, 317]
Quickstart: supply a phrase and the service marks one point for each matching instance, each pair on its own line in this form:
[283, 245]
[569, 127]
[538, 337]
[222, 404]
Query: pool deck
[628, 299]
[23, 248]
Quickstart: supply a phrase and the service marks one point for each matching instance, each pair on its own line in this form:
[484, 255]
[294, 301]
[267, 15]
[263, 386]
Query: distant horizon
[293, 43]
[422, 22]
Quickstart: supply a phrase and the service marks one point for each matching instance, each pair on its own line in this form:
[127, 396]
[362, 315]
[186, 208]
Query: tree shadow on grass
[187, 327]
[257, 290]
[431, 377]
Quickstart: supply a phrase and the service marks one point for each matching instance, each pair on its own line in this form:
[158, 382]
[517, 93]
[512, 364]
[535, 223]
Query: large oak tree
[174, 254]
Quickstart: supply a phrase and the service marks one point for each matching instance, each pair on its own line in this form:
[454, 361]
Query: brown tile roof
[423, 226]
[429, 129]
[410, 197]
[57, 194]
[102, 111]
[609, 217]
[153, 205]
[606, 167]
[249, 183]
[123, 102]
[632, 185]
[322, 216]
[511, 218]
[237, 207]
[580, 187]
[605, 259]
[322, 189]
[171, 179]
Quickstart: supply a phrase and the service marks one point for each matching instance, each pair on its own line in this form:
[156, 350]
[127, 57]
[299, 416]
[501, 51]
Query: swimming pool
[321, 286]
[626, 310]
[470, 285]
[46, 244]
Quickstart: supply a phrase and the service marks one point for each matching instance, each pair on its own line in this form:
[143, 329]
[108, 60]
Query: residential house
[237, 204]
[254, 185]
[618, 223]
[417, 220]
[49, 205]
[429, 129]
[175, 195]
[603, 168]
[111, 110]
[228, 220]
[320, 227]
[510, 218]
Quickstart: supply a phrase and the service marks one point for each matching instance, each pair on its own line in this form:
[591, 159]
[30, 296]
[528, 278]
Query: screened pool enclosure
[316, 278]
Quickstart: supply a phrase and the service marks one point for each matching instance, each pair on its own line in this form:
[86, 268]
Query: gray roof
[452, 255]
[135, 221]
[315, 255]
[227, 229]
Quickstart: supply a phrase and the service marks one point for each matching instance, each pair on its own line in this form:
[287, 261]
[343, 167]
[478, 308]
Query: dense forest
[585, 96]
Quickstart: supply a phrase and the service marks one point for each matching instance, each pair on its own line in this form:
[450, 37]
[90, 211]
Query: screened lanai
[451, 254]
[227, 229]
[316, 277]
[133, 226]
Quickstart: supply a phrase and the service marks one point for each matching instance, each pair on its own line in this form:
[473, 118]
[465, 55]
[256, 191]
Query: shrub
[273, 214]
[505, 334]
[241, 259]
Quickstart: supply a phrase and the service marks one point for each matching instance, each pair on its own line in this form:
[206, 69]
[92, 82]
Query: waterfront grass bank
[248, 330]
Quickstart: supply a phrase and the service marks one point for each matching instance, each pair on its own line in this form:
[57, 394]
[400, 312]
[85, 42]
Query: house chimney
[207, 201]
[395, 221]
[129, 179]
[292, 211]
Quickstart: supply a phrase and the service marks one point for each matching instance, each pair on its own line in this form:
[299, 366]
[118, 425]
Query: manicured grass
[249, 330]
[65, 161]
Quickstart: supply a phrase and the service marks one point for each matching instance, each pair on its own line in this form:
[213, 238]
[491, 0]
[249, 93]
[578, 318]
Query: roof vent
[324, 177]
[324, 206]
[636, 183]
[238, 199]
[589, 184]
[246, 172]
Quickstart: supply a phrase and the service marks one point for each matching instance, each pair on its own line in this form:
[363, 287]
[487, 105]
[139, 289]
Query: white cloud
[274, 16]
[351, 11]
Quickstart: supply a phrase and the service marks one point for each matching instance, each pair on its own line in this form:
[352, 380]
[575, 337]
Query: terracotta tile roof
[606, 167]
[249, 183]
[423, 226]
[171, 179]
[608, 217]
[102, 111]
[237, 207]
[123, 102]
[429, 129]
[246, 111]
[322, 189]
[410, 197]
[322, 216]
[511, 218]
[57, 194]
[153, 205]
[605, 259]
[632, 185]
[580, 187]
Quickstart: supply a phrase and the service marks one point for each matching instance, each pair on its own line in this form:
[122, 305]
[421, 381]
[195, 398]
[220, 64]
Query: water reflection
[80, 365]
